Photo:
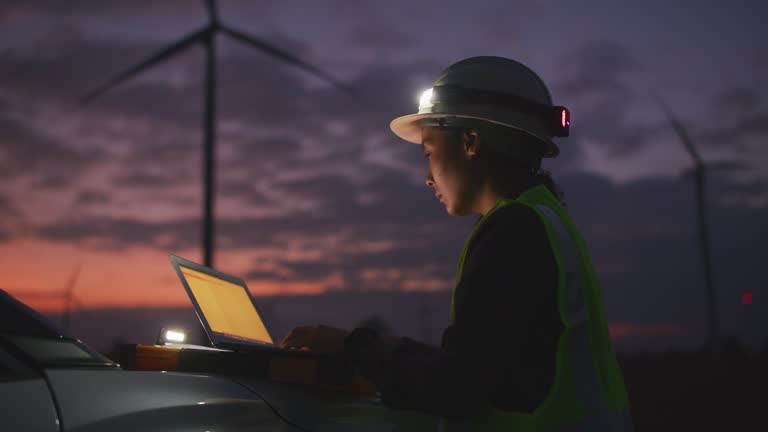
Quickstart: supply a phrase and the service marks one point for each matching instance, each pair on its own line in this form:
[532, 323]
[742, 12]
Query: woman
[527, 347]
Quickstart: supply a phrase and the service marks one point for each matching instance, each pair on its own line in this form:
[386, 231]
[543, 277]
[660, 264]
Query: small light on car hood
[171, 335]
[175, 336]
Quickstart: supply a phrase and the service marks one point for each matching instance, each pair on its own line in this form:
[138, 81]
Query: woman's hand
[317, 338]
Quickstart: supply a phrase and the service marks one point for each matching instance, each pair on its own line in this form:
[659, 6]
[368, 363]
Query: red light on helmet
[562, 123]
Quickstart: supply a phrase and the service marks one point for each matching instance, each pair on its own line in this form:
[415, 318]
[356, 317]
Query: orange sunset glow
[38, 273]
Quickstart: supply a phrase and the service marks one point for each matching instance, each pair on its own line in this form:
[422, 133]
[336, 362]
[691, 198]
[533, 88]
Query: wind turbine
[69, 298]
[698, 171]
[206, 36]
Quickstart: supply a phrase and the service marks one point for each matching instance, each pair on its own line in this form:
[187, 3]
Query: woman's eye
[426, 155]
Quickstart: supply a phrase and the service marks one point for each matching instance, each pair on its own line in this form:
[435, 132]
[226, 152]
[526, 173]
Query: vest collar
[531, 191]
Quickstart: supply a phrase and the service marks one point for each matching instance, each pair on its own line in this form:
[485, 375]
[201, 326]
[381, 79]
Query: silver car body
[51, 383]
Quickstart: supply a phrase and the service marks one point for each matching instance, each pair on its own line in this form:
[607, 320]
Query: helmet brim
[407, 127]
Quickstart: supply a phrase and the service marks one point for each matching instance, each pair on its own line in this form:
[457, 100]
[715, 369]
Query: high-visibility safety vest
[588, 393]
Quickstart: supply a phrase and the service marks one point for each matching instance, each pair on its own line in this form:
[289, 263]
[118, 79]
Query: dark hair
[544, 177]
[514, 157]
[505, 169]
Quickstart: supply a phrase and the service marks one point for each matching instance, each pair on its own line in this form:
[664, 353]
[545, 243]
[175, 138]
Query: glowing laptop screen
[226, 306]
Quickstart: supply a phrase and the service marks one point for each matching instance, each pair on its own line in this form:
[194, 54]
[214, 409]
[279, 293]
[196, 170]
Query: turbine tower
[698, 171]
[206, 36]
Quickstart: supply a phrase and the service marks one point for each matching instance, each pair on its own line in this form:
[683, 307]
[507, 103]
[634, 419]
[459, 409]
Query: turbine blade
[213, 12]
[158, 57]
[285, 56]
[680, 130]
[77, 303]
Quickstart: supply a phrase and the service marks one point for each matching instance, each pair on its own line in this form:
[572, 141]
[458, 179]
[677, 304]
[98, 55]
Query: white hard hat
[493, 89]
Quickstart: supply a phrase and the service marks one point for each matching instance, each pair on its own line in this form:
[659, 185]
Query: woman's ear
[471, 141]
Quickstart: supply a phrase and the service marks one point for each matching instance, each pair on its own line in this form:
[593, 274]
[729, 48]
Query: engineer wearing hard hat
[527, 347]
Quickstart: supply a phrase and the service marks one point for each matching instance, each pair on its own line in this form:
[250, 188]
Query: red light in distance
[746, 298]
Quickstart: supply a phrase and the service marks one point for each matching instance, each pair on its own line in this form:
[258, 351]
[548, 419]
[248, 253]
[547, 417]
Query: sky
[314, 194]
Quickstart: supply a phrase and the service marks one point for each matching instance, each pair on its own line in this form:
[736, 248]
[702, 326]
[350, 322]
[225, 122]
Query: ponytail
[524, 175]
[543, 177]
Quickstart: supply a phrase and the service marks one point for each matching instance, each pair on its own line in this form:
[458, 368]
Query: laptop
[224, 305]
[233, 322]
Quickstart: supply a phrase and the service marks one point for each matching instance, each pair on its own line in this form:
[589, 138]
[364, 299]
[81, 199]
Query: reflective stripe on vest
[597, 416]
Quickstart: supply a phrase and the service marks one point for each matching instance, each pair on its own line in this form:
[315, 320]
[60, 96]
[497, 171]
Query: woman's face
[450, 173]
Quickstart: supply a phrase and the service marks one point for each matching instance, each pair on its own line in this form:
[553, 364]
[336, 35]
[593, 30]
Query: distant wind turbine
[69, 298]
[206, 36]
[698, 172]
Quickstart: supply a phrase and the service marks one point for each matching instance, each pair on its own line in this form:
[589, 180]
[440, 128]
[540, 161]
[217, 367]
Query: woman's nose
[430, 182]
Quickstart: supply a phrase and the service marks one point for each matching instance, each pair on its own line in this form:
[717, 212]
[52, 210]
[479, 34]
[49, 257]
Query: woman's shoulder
[514, 215]
[512, 224]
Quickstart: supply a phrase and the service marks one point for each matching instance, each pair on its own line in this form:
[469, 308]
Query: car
[51, 382]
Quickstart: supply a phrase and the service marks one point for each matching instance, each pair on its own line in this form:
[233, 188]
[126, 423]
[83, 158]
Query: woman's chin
[450, 210]
[454, 210]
